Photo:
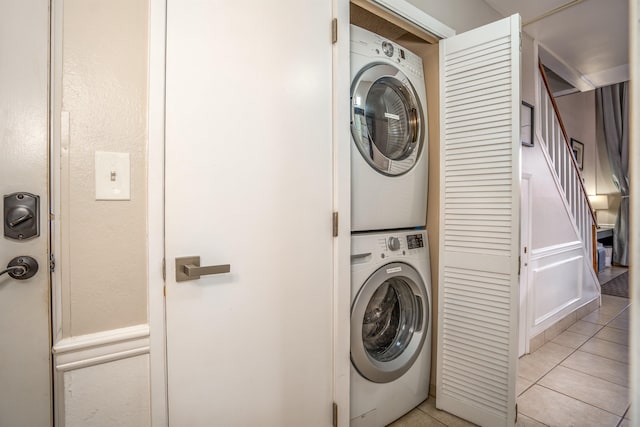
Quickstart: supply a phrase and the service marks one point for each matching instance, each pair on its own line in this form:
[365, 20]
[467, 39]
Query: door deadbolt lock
[21, 216]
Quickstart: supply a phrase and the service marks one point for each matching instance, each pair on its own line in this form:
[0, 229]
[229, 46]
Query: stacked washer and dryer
[390, 274]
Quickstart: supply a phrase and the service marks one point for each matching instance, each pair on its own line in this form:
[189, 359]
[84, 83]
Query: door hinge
[164, 269]
[52, 263]
[335, 414]
[519, 264]
[334, 31]
[335, 224]
[516, 420]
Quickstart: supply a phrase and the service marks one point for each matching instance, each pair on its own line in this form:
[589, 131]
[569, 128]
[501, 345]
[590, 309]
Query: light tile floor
[578, 379]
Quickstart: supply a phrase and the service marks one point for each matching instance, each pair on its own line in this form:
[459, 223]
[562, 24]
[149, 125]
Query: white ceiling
[586, 42]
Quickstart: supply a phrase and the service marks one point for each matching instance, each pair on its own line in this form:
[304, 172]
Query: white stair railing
[555, 141]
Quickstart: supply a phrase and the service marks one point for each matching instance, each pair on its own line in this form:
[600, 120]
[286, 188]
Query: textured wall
[110, 394]
[105, 92]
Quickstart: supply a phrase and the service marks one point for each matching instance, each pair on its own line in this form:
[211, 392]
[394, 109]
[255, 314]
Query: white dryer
[389, 135]
[390, 325]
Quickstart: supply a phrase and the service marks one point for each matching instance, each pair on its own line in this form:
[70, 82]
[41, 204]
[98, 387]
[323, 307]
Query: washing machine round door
[387, 121]
[389, 322]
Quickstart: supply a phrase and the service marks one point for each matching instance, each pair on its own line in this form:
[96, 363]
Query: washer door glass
[389, 319]
[389, 322]
[386, 119]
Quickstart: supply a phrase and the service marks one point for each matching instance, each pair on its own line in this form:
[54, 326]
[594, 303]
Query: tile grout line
[593, 376]
[432, 417]
[582, 401]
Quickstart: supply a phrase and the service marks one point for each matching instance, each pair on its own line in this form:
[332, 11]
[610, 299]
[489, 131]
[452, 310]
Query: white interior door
[248, 183]
[479, 223]
[25, 368]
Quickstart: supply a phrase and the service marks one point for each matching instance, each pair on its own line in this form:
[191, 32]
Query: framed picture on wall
[526, 124]
[578, 151]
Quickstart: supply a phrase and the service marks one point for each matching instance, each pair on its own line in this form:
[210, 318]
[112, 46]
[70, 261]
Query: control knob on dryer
[393, 243]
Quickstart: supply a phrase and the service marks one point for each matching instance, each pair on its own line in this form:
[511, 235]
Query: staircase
[567, 174]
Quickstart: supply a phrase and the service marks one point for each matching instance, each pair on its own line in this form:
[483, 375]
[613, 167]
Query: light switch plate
[113, 176]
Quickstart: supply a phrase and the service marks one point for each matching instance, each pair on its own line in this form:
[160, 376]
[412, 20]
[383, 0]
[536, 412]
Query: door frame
[155, 212]
[525, 241]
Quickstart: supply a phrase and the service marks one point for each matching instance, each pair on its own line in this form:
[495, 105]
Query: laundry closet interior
[392, 219]
[472, 85]
[373, 18]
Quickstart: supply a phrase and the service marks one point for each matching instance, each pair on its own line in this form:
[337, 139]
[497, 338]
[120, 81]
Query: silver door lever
[188, 268]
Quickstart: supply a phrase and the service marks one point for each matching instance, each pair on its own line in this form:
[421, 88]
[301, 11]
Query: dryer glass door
[386, 119]
[389, 322]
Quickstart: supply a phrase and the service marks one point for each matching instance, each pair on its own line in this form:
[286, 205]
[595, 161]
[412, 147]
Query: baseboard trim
[550, 333]
[102, 347]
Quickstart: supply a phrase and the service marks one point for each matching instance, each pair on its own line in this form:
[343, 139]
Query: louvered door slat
[479, 211]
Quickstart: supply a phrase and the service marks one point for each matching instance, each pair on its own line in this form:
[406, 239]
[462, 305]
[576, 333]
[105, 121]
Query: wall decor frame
[578, 151]
[526, 124]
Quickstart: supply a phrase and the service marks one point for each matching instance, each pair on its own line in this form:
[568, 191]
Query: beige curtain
[612, 110]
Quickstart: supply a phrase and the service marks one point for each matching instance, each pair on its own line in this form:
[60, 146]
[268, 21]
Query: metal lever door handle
[17, 270]
[197, 271]
[188, 268]
[21, 268]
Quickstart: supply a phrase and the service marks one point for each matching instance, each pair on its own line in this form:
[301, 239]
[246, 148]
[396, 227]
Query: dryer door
[387, 121]
[389, 322]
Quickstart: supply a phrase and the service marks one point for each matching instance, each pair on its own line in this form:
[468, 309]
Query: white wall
[550, 222]
[560, 277]
[578, 112]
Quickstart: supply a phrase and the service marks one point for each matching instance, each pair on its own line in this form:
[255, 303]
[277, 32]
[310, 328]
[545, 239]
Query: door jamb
[524, 323]
[155, 211]
[58, 135]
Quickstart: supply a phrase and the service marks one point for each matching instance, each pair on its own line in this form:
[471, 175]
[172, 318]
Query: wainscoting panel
[555, 284]
[104, 379]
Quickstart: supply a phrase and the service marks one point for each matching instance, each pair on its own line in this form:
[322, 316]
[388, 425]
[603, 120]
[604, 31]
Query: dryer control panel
[364, 42]
[400, 245]
[381, 248]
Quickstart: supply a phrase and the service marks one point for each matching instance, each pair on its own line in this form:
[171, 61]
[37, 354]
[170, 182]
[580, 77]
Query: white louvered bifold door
[479, 223]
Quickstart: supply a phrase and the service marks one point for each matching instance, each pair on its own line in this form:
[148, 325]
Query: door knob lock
[21, 268]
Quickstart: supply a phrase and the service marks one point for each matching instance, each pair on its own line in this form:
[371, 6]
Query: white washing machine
[388, 134]
[390, 325]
